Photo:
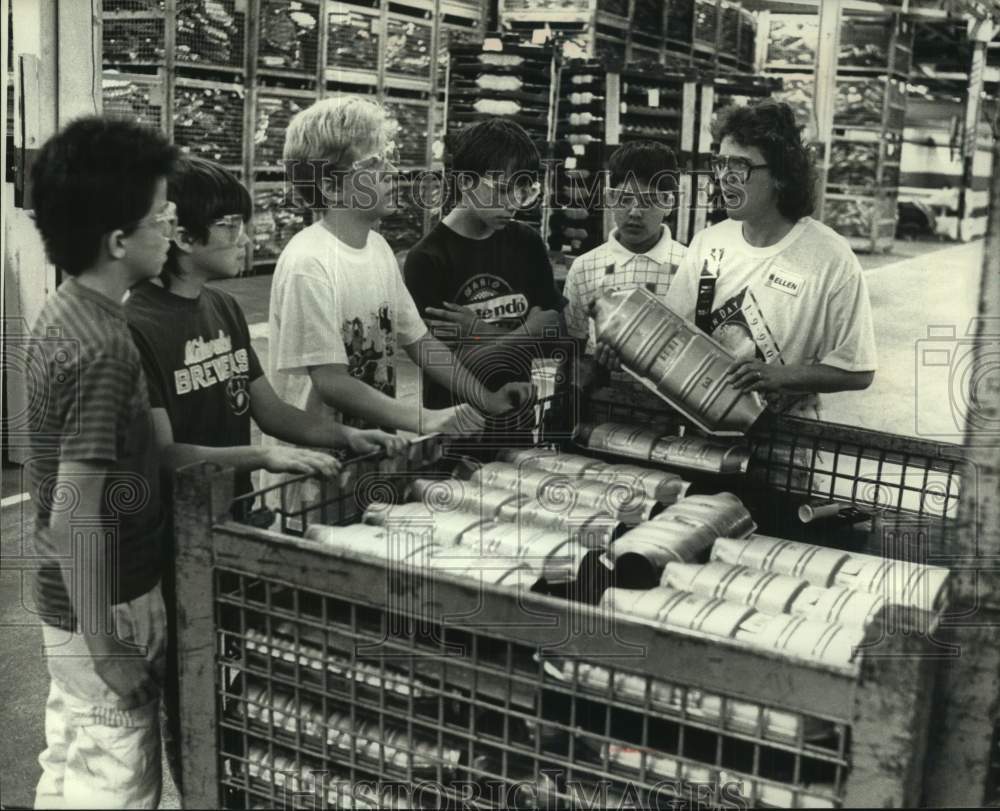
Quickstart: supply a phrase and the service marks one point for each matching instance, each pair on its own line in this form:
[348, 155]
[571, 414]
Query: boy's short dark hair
[650, 162]
[204, 191]
[770, 126]
[96, 176]
[497, 145]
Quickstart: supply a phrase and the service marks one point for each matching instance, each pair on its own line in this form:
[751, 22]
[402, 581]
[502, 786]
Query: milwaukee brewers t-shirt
[199, 364]
[800, 301]
[501, 277]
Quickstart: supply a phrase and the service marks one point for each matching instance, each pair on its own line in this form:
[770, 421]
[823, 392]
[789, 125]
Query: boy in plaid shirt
[640, 252]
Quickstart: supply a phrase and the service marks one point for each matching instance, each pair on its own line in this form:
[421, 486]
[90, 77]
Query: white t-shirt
[800, 301]
[331, 303]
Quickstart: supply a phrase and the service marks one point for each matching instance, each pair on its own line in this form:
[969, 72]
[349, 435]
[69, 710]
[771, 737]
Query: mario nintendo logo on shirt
[492, 298]
[785, 281]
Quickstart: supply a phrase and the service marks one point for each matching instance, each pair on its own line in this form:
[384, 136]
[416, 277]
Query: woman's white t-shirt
[802, 300]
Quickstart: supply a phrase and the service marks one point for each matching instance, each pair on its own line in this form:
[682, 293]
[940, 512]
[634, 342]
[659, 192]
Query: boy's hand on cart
[367, 441]
[511, 396]
[461, 419]
[465, 318]
[607, 357]
[299, 460]
[755, 375]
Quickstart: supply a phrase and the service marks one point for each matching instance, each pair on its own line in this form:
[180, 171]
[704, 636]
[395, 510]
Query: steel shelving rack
[223, 79]
[874, 61]
[600, 107]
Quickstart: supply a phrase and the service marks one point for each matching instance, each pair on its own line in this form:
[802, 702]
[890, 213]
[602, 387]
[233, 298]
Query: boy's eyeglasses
[739, 169]
[617, 197]
[165, 222]
[520, 194]
[234, 227]
[384, 161]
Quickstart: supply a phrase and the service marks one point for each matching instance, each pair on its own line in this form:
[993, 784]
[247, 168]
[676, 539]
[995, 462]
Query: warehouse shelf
[276, 219]
[354, 36]
[289, 36]
[617, 106]
[230, 98]
[361, 78]
[138, 97]
[864, 162]
[274, 110]
[868, 222]
[880, 44]
[585, 31]
[209, 119]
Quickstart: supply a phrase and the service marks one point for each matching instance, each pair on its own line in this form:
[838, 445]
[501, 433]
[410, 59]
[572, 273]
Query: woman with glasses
[479, 274]
[783, 292]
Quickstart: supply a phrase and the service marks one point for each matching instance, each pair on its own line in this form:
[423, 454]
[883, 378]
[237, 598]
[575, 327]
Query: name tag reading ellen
[785, 281]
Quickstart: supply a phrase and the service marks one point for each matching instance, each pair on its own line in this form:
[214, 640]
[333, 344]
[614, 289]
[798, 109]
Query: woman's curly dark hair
[770, 126]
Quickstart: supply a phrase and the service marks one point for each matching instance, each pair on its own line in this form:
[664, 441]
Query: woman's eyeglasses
[617, 197]
[739, 169]
[520, 194]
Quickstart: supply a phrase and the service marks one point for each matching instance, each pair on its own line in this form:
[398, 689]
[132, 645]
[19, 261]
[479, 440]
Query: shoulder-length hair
[770, 126]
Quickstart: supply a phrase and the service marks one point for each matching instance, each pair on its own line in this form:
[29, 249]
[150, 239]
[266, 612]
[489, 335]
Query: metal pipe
[686, 367]
[692, 453]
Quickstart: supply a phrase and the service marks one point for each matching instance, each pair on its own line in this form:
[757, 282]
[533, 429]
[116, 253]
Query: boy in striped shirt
[100, 200]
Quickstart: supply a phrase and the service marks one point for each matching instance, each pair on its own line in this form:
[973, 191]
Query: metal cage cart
[314, 677]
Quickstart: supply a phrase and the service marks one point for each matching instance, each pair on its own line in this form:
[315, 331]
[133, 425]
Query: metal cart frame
[880, 706]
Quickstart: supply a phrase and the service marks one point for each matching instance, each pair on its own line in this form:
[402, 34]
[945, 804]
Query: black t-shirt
[199, 364]
[501, 277]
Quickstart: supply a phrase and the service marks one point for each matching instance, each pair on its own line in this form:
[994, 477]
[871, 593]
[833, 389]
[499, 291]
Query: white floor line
[12, 501]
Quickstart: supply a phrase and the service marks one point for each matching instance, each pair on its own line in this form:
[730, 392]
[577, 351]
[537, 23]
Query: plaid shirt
[612, 266]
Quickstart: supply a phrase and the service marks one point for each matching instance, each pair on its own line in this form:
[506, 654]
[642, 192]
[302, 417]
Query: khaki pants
[103, 750]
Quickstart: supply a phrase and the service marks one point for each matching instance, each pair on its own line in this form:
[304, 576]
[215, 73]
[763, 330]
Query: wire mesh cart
[315, 678]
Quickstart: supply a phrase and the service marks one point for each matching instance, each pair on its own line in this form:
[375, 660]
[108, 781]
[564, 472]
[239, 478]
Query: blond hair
[340, 129]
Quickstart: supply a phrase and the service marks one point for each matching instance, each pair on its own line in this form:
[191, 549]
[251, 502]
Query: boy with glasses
[339, 308]
[100, 203]
[205, 381]
[481, 277]
[639, 252]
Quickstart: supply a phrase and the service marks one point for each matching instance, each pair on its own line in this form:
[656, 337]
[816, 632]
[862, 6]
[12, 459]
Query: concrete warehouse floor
[922, 284]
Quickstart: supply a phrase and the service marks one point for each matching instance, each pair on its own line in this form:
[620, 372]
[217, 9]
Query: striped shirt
[91, 404]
